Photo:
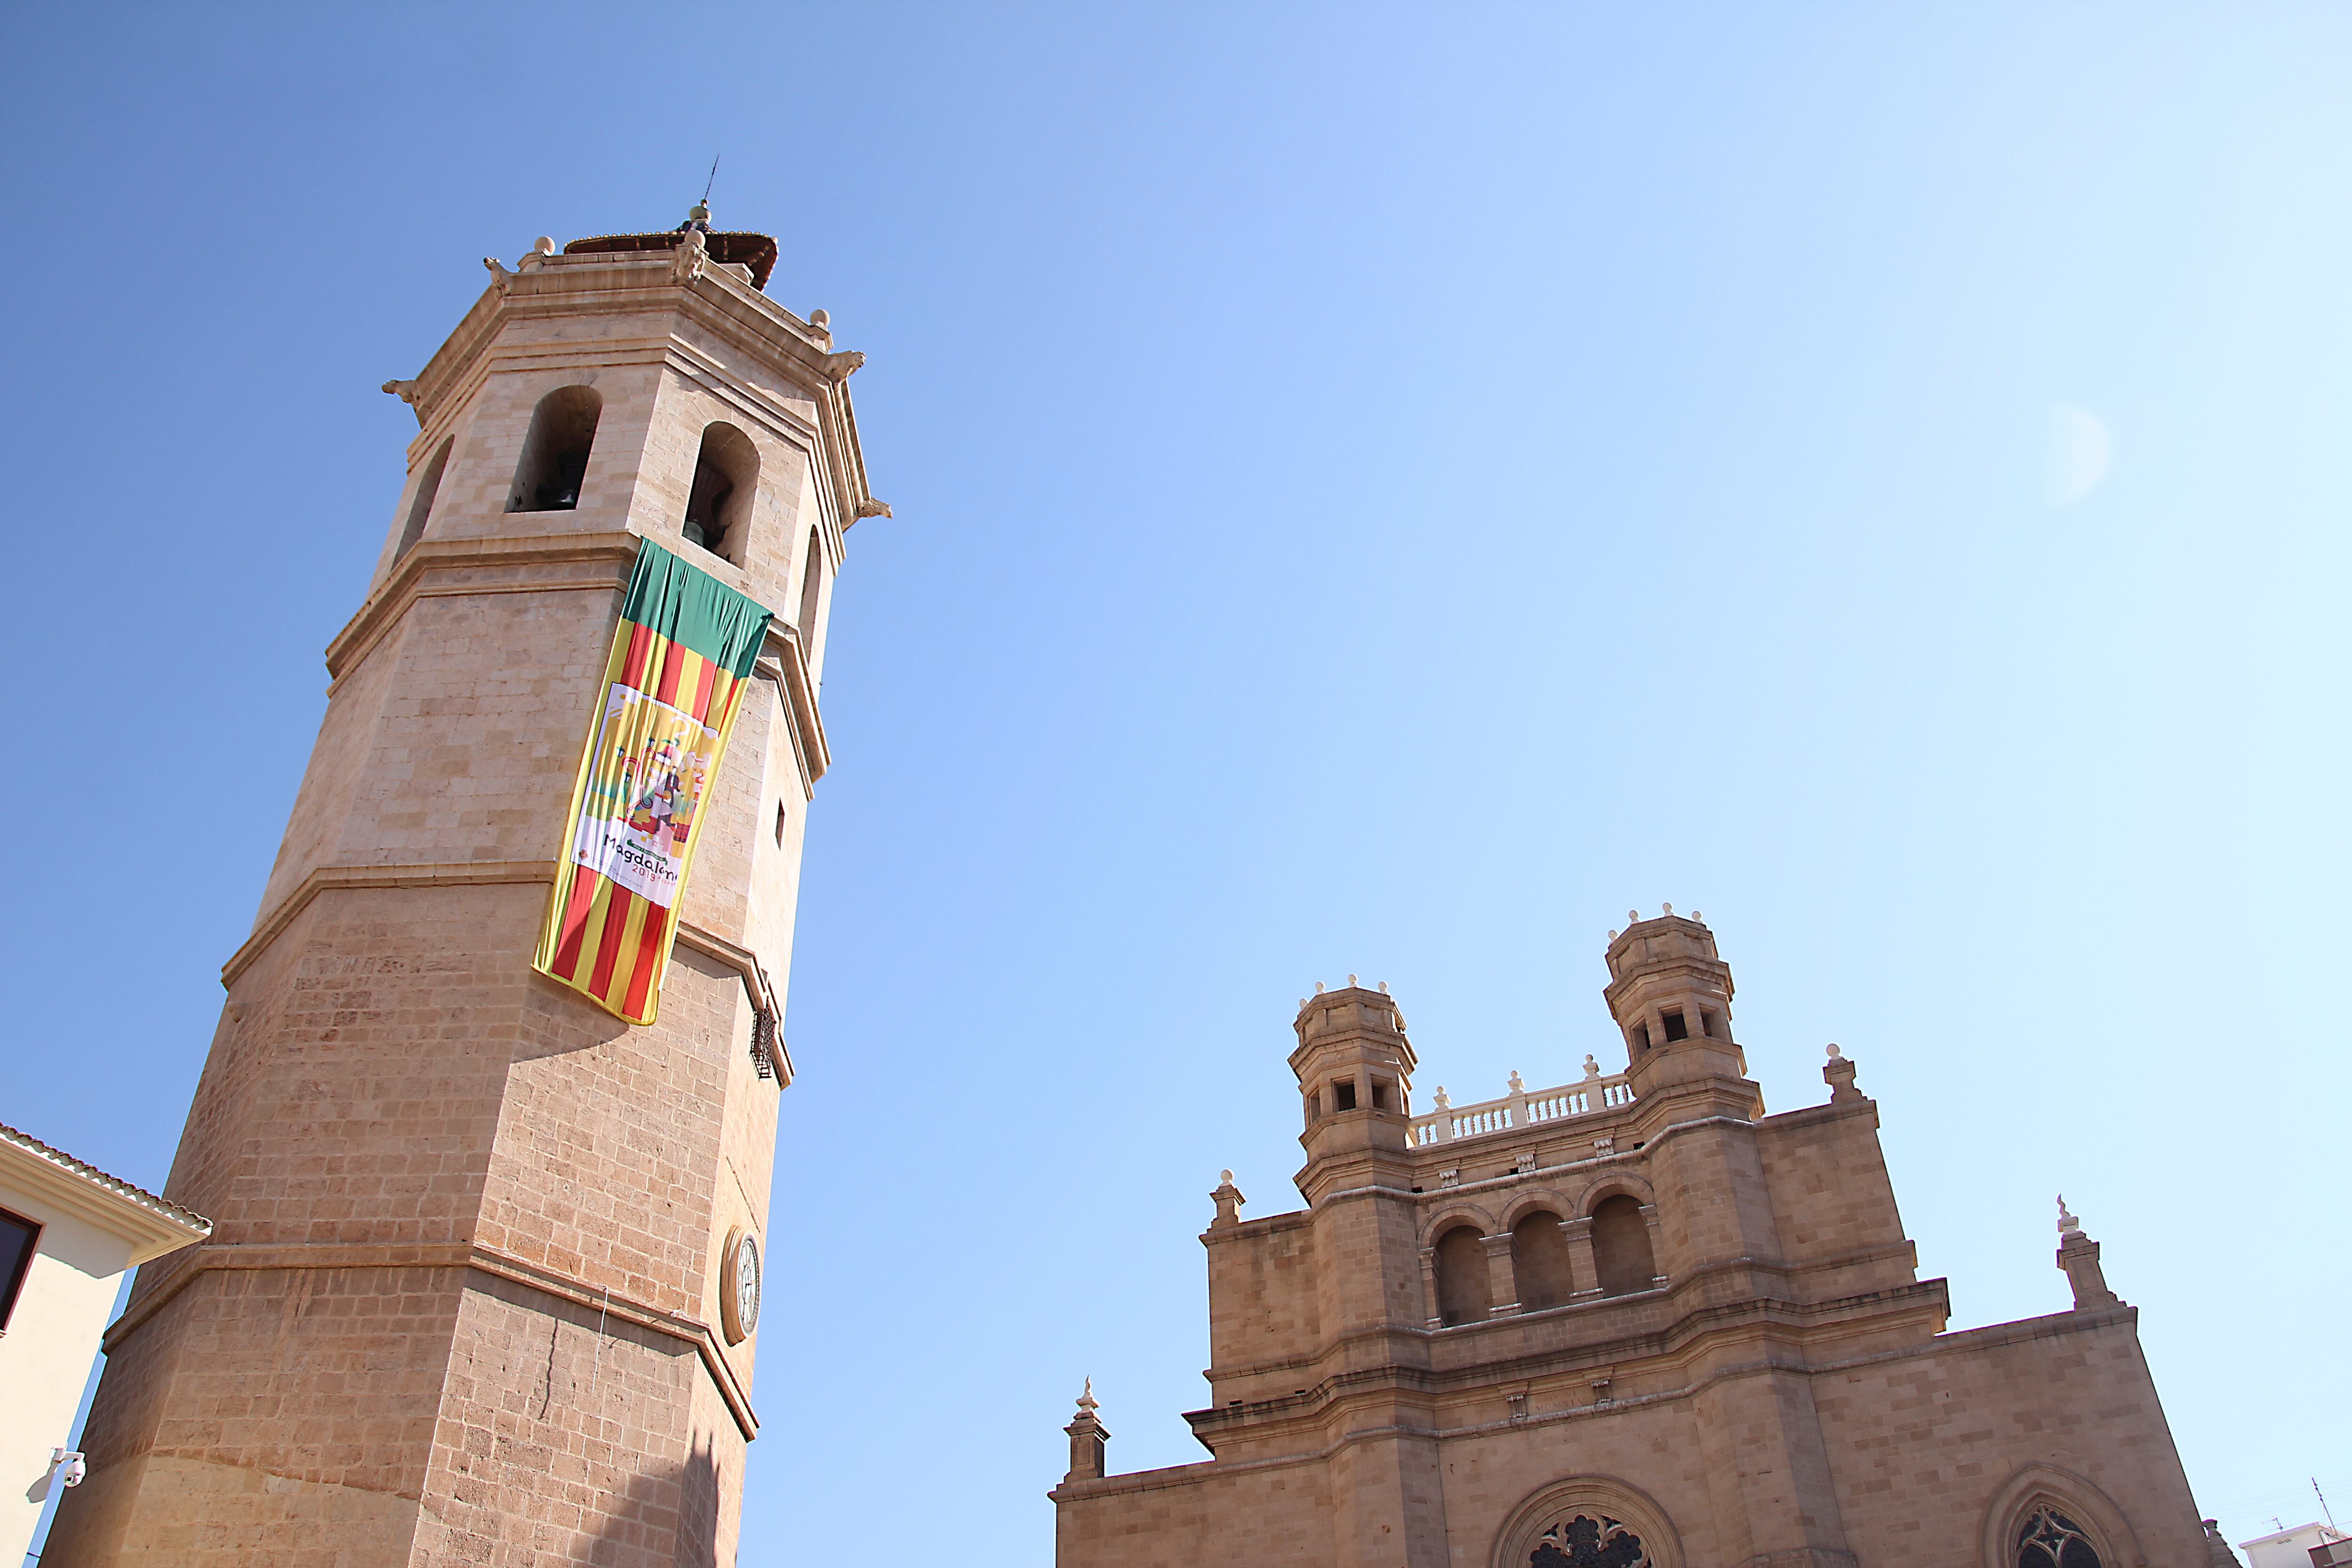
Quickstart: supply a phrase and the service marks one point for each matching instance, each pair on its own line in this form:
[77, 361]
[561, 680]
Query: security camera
[69, 1466]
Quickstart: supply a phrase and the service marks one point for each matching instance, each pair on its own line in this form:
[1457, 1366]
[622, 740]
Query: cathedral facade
[484, 1280]
[1629, 1322]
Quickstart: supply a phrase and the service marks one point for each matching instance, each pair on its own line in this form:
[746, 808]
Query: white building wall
[2288, 1548]
[46, 1353]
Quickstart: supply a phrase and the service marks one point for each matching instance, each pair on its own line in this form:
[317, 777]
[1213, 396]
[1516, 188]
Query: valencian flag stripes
[681, 660]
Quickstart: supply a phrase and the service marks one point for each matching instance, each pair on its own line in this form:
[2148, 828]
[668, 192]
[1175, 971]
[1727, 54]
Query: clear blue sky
[1377, 491]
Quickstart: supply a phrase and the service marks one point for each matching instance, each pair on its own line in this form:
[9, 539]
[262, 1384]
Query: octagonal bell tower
[477, 1289]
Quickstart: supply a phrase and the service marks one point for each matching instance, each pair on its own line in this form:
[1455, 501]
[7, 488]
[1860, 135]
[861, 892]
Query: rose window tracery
[1580, 1540]
[2051, 1539]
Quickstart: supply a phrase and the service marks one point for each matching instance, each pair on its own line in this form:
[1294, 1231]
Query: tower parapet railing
[1523, 1107]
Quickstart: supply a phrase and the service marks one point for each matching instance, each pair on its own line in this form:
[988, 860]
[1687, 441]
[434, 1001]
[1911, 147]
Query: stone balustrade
[1523, 1107]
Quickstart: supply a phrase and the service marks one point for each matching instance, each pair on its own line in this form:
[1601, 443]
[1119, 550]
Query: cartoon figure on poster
[653, 765]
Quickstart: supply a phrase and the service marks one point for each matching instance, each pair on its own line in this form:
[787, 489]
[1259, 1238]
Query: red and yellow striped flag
[681, 660]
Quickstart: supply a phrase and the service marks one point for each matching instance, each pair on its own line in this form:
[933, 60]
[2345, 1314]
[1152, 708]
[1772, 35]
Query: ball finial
[1668, 908]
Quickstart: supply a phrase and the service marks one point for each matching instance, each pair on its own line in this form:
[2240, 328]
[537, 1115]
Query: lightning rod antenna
[710, 182]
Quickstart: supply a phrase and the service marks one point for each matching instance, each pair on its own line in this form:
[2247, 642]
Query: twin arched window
[554, 467]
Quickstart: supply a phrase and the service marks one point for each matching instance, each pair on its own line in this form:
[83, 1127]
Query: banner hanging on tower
[682, 660]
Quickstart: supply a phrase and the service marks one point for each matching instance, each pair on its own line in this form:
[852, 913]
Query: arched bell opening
[420, 507]
[718, 503]
[555, 453]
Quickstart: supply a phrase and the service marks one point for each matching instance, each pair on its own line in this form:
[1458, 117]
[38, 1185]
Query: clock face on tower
[738, 1286]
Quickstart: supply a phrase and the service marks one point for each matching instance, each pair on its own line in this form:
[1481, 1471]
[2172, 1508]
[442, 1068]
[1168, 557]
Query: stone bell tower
[476, 1291]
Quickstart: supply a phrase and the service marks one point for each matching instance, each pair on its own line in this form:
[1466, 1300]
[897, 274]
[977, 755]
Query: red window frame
[14, 1285]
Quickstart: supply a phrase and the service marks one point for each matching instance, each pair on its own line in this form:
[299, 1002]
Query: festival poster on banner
[680, 663]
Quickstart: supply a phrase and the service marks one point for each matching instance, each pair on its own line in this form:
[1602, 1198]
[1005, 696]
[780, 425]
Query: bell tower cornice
[786, 360]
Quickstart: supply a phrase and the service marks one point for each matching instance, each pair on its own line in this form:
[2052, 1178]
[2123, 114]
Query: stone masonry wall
[1273, 1515]
[1832, 1201]
[1922, 1442]
[1919, 1446]
[1262, 1293]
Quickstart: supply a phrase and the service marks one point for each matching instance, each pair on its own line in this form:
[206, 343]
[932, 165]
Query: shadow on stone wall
[663, 1521]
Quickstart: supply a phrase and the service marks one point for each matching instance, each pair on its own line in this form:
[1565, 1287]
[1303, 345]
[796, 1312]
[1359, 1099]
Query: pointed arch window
[2050, 1540]
[1582, 1540]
